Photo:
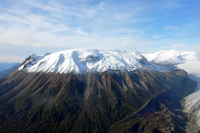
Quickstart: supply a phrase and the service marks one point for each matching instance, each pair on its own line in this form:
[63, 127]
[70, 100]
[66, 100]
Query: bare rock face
[114, 101]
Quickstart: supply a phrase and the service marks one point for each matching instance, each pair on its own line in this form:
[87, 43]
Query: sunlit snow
[85, 60]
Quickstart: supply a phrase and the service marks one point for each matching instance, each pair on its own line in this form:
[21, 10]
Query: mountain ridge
[172, 56]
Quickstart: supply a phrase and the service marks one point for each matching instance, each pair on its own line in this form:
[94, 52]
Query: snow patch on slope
[85, 60]
[192, 106]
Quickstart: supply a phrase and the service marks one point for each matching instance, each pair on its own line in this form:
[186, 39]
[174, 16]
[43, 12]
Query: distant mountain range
[173, 56]
[91, 90]
[4, 66]
[7, 68]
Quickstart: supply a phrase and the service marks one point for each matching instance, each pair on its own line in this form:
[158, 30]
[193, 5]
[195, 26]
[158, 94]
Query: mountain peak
[85, 60]
[173, 56]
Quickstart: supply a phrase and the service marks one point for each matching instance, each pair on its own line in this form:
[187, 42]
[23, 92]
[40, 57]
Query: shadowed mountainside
[91, 102]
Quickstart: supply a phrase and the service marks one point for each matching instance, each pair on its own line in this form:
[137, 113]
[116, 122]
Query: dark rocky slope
[163, 114]
[115, 101]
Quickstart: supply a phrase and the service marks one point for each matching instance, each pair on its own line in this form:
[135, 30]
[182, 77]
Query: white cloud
[6, 58]
[177, 45]
[72, 24]
[31, 29]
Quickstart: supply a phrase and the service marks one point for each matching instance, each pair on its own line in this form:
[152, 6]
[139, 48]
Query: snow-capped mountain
[173, 56]
[187, 60]
[43, 95]
[190, 62]
[52, 96]
[87, 60]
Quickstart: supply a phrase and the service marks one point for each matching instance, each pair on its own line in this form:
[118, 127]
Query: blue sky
[39, 26]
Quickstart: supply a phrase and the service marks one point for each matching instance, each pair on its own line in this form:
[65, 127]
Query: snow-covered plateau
[87, 60]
